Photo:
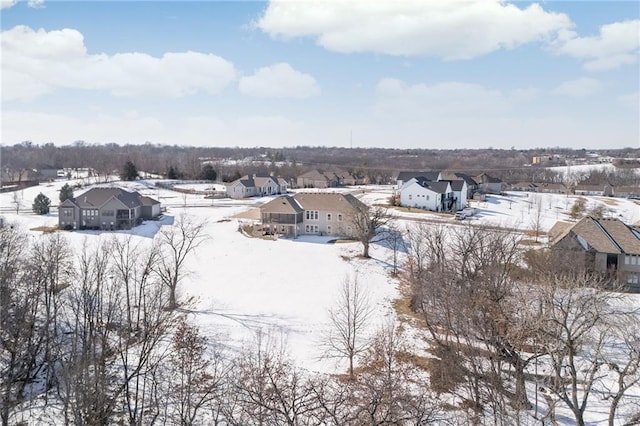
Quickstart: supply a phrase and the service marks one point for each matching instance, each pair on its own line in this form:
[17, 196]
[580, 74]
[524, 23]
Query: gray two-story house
[106, 208]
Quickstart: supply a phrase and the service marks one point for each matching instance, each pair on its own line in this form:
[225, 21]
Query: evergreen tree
[66, 192]
[208, 172]
[129, 171]
[173, 173]
[41, 204]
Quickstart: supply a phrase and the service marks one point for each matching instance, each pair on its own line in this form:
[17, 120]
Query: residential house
[602, 190]
[421, 193]
[524, 186]
[609, 246]
[404, 177]
[106, 208]
[254, 185]
[459, 189]
[551, 188]
[489, 184]
[317, 179]
[627, 191]
[472, 185]
[327, 179]
[311, 214]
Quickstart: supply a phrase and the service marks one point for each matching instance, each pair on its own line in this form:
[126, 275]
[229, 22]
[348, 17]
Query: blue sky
[401, 74]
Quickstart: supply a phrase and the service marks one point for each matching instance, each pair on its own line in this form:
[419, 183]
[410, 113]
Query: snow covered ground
[242, 286]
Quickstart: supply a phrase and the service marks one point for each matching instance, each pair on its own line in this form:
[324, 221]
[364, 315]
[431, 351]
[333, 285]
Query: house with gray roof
[310, 214]
[255, 185]
[609, 246]
[421, 193]
[108, 209]
[406, 176]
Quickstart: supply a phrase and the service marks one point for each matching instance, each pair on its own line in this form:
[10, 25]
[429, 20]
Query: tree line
[380, 165]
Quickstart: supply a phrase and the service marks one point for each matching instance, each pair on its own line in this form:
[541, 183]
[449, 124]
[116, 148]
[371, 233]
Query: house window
[312, 214]
[427, 198]
[633, 279]
[68, 212]
[339, 217]
[329, 229]
[329, 217]
[311, 229]
[410, 197]
[108, 213]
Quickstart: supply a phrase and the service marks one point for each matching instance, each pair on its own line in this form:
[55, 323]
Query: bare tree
[176, 244]
[394, 239]
[270, 389]
[387, 391]
[349, 320]
[368, 226]
[536, 217]
[196, 379]
[577, 316]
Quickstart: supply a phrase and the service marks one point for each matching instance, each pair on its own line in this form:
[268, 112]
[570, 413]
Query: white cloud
[38, 62]
[452, 29]
[5, 4]
[617, 44]
[279, 81]
[579, 88]
[36, 4]
[446, 99]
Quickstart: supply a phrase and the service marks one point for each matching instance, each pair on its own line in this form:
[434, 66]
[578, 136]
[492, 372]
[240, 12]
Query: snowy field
[240, 286]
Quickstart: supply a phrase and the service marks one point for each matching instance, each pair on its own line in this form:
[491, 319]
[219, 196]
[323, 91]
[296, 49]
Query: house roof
[594, 188]
[559, 229]
[440, 187]
[286, 204]
[315, 175]
[427, 175]
[456, 185]
[148, 201]
[458, 175]
[524, 185]
[485, 178]
[97, 197]
[328, 201]
[604, 235]
[253, 181]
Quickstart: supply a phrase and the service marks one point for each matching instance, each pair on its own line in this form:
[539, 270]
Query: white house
[423, 194]
[252, 185]
[459, 188]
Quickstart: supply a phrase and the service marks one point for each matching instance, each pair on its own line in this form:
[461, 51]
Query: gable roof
[148, 201]
[485, 178]
[604, 235]
[324, 201]
[459, 175]
[440, 187]
[456, 185]
[428, 175]
[253, 181]
[97, 197]
[286, 204]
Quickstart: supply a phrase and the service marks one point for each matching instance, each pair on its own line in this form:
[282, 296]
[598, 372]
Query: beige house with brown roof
[610, 247]
[310, 214]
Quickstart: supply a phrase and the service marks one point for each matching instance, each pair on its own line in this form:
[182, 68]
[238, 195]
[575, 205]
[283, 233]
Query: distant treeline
[379, 164]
